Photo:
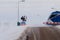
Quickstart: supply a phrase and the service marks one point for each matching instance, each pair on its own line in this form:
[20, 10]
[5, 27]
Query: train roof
[55, 12]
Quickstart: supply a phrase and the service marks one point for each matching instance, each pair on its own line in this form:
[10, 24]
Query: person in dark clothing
[23, 18]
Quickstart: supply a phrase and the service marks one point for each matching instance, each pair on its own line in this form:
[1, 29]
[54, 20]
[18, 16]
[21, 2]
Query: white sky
[36, 10]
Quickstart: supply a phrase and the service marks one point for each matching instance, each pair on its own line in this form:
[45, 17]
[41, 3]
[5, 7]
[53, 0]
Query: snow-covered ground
[58, 26]
[10, 32]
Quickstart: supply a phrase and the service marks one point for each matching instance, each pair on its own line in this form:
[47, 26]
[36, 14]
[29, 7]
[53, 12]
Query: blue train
[54, 18]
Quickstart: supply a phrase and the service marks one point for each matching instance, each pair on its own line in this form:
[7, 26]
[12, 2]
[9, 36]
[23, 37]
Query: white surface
[11, 32]
[58, 26]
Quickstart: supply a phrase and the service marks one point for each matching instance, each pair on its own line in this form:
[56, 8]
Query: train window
[52, 16]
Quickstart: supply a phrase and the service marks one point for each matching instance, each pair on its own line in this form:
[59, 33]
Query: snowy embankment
[58, 26]
[10, 32]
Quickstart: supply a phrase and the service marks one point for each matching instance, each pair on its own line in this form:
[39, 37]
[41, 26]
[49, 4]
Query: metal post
[18, 23]
[18, 10]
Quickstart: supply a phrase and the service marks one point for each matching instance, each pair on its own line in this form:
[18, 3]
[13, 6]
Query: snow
[11, 32]
[58, 26]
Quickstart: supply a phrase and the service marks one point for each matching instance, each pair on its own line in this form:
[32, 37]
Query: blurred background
[37, 11]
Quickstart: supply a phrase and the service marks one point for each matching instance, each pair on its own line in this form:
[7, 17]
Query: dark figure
[18, 23]
[23, 18]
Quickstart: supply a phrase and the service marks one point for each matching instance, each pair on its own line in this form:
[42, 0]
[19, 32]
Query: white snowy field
[10, 32]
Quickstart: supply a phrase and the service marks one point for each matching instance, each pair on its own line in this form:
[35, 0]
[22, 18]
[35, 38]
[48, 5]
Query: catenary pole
[18, 23]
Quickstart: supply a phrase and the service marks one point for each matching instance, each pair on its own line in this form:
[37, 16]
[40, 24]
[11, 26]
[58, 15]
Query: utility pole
[18, 23]
[18, 11]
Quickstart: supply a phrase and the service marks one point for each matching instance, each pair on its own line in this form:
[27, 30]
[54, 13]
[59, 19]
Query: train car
[54, 18]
